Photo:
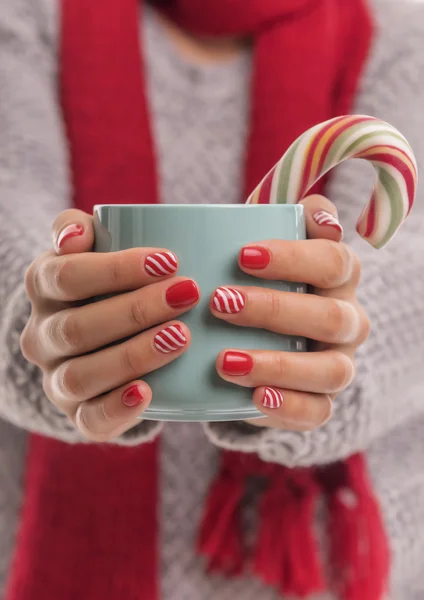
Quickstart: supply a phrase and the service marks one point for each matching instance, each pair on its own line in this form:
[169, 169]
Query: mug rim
[199, 206]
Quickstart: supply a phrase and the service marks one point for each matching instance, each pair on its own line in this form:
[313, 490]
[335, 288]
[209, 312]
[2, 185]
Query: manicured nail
[182, 294]
[325, 218]
[228, 300]
[160, 264]
[255, 257]
[237, 364]
[170, 339]
[132, 396]
[272, 398]
[67, 233]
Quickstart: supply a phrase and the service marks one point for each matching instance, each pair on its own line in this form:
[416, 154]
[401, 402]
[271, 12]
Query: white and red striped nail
[272, 398]
[170, 339]
[228, 300]
[160, 264]
[323, 217]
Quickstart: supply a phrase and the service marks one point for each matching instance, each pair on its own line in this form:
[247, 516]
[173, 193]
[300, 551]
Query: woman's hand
[95, 385]
[295, 390]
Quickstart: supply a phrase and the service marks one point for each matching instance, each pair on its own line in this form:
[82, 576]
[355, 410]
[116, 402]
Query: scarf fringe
[220, 539]
[286, 555]
[359, 551]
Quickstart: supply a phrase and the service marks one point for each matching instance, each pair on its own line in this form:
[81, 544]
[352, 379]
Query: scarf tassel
[359, 551]
[287, 555]
[220, 536]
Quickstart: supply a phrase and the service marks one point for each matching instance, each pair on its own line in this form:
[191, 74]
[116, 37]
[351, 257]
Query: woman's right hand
[95, 383]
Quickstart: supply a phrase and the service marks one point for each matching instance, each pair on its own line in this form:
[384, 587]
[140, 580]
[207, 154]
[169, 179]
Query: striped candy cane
[325, 146]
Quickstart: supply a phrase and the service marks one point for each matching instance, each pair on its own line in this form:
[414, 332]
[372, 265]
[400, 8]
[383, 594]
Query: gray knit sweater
[204, 111]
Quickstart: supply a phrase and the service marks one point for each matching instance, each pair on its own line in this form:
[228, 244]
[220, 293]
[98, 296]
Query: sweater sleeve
[389, 387]
[34, 188]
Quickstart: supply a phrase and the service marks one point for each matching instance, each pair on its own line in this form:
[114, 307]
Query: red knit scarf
[89, 526]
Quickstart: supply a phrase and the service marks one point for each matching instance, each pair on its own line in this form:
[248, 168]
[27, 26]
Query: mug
[207, 240]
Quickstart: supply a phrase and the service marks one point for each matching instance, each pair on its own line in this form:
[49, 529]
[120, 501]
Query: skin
[67, 338]
[201, 50]
[87, 380]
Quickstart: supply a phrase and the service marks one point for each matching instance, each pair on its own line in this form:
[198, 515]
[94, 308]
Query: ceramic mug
[207, 240]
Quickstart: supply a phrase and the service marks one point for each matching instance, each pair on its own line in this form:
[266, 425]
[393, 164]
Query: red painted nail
[182, 294]
[170, 339]
[228, 300]
[69, 232]
[255, 257]
[132, 396]
[326, 219]
[161, 264]
[272, 398]
[237, 363]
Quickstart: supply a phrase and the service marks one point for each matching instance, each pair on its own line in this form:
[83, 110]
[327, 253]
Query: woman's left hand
[295, 390]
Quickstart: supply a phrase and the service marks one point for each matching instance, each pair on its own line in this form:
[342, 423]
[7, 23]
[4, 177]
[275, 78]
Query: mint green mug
[207, 240]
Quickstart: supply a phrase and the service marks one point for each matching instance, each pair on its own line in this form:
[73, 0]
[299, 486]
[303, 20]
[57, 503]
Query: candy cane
[325, 146]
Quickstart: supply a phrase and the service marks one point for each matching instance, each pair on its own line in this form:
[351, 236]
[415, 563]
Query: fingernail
[255, 257]
[160, 264]
[170, 339]
[67, 233]
[272, 398]
[323, 217]
[237, 363]
[228, 300]
[132, 396]
[182, 294]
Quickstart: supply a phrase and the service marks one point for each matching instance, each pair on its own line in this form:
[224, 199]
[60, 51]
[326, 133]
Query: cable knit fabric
[381, 413]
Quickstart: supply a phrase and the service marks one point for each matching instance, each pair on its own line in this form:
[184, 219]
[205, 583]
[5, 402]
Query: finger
[89, 376]
[287, 409]
[321, 263]
[321, 218]
[347, 290]
[323, 319]
[73, 232]
[326, 372]
[110, 415]
[82, 276]
[79, 330]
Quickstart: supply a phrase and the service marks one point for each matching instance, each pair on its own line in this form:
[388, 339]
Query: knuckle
[341, 373]
[291, 253]
[30, 279]
[274, 311]
[338, 265]
[94, 422]
[27, 343]
[84, 424]
[356, 270]
[68, 332]
[68, 382]
[50, 389]
[47, 386]
[61, 275]
[281, 364]
[334, 320]
[139, 314]
[130, 357]
[116, 271]
[365, 327]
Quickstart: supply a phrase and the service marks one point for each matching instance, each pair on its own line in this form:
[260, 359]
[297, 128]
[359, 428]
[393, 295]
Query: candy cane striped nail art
[272, 398]
[160, 264]
[325, 218]
[228, 300]
[170, 339]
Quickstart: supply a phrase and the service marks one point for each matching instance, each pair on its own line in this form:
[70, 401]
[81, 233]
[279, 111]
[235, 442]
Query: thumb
[73, 232]
[321, 219]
